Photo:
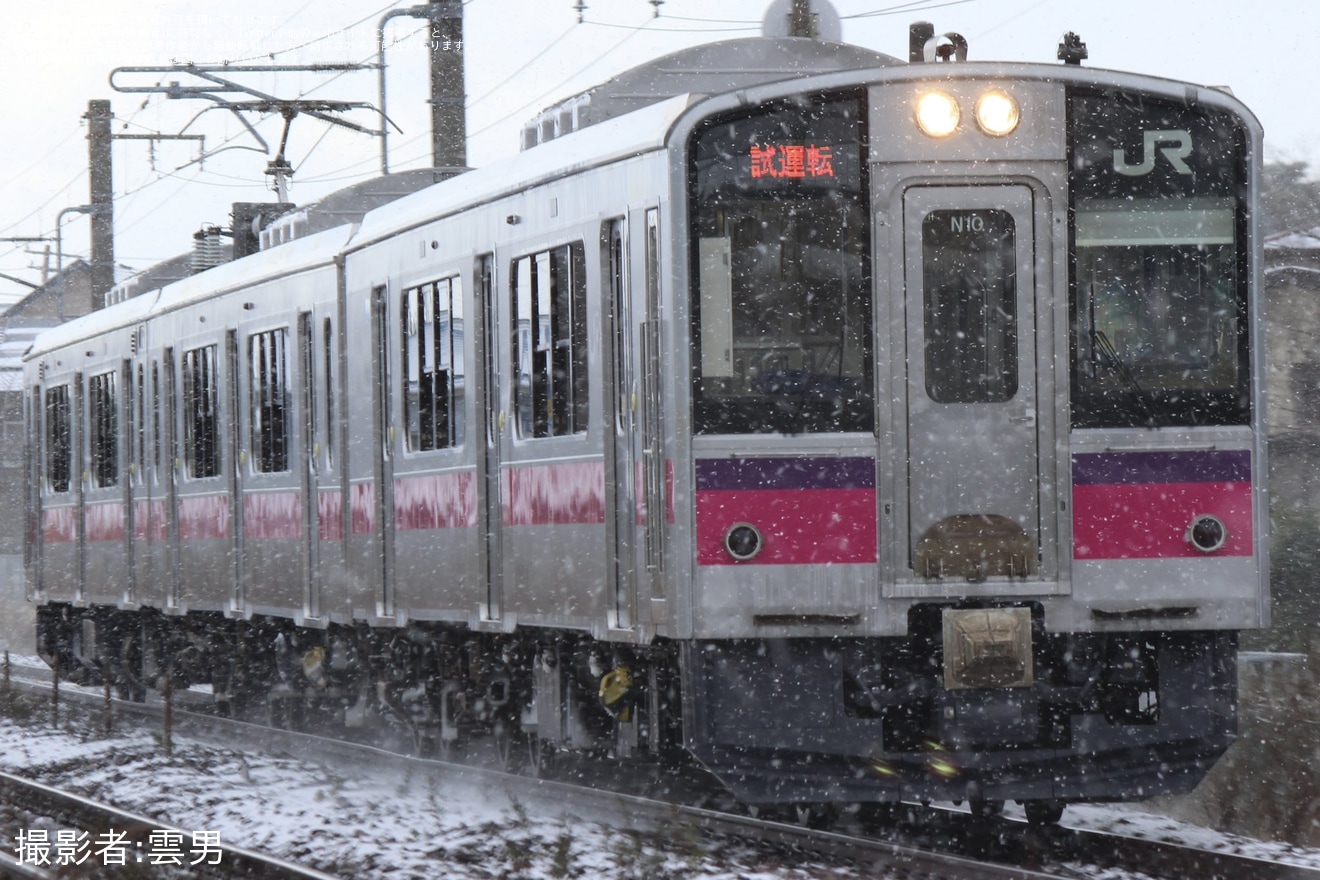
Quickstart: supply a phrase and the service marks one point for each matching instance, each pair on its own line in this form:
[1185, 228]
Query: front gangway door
[970, 329]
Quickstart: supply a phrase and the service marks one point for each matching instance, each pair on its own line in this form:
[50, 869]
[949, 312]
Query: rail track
[937, 844]
[106, 836]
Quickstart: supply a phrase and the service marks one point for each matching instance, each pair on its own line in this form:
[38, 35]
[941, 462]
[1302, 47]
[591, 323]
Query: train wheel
[816, 816]
[1042, 813]
[989, 809]
[429, 746]
[128, 671]
[505, 742]
[541, 757]
[284, 711]
[445, 749]
[877, 816]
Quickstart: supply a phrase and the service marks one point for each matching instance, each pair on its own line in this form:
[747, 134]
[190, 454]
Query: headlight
[1207, 533]
[743, 541]
[997, 113]
[937, 114]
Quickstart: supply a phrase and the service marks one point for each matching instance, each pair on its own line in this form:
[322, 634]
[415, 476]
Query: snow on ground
[361, 822]
[364, 822]
[1136, 820]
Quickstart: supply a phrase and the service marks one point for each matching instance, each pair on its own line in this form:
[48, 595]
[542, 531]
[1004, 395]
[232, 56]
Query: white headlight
[997, 113]
[937, 114]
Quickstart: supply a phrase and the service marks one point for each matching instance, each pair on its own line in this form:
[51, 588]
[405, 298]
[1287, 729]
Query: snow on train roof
[624, 136]
[635, 133]
[295, 256]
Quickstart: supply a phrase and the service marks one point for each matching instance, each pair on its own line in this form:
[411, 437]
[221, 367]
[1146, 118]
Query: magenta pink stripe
[59, 525]
[436, 501]
[1150, 520]
[362, 507]
[330, 515]
[204, 518]
[800, 526]
[555, 494]
[105, 521]
[149, 522]
[272, 516]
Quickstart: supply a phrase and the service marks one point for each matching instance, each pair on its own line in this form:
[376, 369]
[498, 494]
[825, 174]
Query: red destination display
[791, 161]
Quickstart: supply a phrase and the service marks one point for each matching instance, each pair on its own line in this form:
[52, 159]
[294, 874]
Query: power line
[59, 192]
[711, 20]
[556, 42]
[555, 89]
[319, 39]
[664, 30]
[906, 8]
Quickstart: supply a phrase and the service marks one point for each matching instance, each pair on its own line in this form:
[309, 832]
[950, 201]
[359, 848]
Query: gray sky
[522, 55]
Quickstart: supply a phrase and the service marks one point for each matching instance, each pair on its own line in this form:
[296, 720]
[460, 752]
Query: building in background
[66, 295]
[1292, 315]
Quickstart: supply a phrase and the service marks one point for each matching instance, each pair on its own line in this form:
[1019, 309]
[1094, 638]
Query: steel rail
[1101, 849]
[83, 812]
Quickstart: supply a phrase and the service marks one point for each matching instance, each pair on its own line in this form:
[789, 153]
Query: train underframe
[813, 721]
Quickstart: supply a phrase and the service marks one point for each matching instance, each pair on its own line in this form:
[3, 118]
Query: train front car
[978, 498]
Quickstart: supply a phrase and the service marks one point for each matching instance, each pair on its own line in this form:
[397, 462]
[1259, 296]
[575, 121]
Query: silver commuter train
[868, 434]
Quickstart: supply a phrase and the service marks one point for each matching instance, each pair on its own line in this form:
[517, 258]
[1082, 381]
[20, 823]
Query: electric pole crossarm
[219, 86]
[205, 72]
[315, 109]
[20, 281]
[200, 138]
[236, 110]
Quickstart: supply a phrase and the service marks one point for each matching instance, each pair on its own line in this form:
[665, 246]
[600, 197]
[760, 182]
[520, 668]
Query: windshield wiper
[1106, 348]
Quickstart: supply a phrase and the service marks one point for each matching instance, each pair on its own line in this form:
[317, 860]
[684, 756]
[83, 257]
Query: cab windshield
[781, 330]
[1159, 293]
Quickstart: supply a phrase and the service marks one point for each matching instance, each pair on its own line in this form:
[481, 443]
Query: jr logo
[1180, 147]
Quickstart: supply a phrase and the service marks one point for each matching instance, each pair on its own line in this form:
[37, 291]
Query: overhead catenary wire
[553, 90]
[906, 8]
[211, 178]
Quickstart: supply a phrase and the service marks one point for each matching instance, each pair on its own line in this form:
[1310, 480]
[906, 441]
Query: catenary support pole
[100, 176]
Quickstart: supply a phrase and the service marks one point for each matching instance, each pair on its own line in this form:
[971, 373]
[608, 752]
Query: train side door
[620, 421]
[170, 438]
[973, 461]
[79, 484]
[384, 466]
[34, 452]
[651, 449]
[237, 466]
[489, 429]
[127, 475]
[308, 488]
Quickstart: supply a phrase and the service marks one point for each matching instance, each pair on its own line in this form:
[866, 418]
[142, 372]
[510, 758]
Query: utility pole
[448, 114]
[45, 263]
[99, 170]
[801, 21]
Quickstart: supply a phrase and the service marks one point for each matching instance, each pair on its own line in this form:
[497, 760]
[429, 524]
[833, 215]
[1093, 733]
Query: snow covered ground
[369, 822]
[361, 823]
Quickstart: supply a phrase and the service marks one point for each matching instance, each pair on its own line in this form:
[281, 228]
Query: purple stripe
[786, 473]
[1230, 466]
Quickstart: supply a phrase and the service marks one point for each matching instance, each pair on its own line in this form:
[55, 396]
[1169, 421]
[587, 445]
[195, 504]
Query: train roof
[706, 69]
[629, 115]
[642, 131]
[296, 256]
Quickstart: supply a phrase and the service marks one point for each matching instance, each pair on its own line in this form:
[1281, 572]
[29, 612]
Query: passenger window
[59, 439]
[330, 386]
[201, 417]
[103, 429]
[433, 364]
[268, 388]
[550, 342]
